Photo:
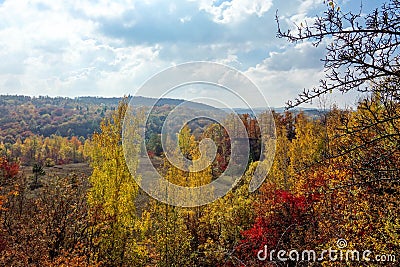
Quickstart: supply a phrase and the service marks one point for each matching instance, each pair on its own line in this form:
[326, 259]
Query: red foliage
[222, 164]
[8, 169]
[151, 154]
[61, 162]
[282, 214]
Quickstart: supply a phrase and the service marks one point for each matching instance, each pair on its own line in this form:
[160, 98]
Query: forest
[25, 116]
[68, 198]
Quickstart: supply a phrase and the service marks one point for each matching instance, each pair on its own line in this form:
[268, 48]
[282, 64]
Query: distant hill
[310, 112]
[141, 101]
[23, 116]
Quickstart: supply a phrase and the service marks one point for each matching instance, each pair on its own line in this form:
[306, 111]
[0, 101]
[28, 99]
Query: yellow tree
[364, 191]
[116, 230]
[186, 142]
[170, 236]
[305, 150]
[222, 222]
[175, 230]
[279, 173]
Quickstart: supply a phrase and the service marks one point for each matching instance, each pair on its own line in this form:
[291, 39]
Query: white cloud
[282, 76]
[103, 8]
[230, 60]
[48, 50]
[235, 10]
[185, 19]
[299, 56]
[109, 47]
[283, 85]
[307, 5]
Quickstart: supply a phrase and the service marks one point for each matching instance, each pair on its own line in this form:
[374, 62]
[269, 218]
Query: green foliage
[154, 144]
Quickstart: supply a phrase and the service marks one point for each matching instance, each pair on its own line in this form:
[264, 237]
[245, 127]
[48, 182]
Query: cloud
[235, 10]
[48, 50]
[307, 5]
[190, 34]
[280, 86]
[300, 56]
[110, 47]
[283, 75]
[101, 8]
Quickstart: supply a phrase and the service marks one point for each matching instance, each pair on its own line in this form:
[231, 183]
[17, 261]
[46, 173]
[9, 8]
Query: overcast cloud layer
[110, 47]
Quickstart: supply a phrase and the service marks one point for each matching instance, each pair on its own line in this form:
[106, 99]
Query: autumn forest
[68, 198]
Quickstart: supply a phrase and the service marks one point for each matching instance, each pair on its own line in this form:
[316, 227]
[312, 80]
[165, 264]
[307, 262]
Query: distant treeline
[24, 116]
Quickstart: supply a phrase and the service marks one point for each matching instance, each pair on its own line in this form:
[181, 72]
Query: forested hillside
[311, 197]
[24, 116]
[87, 181]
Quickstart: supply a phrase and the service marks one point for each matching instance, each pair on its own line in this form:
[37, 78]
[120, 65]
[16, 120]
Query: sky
[111, 47]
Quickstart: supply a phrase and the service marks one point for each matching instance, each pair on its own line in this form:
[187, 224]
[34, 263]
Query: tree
[169, 234]
[218, 134]
[222, 223]
[186, 142]
[362, 55]
[115, 226]
[363, 49]
[154, 144]
[46, 227]
[8, 170]
[37, 171]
